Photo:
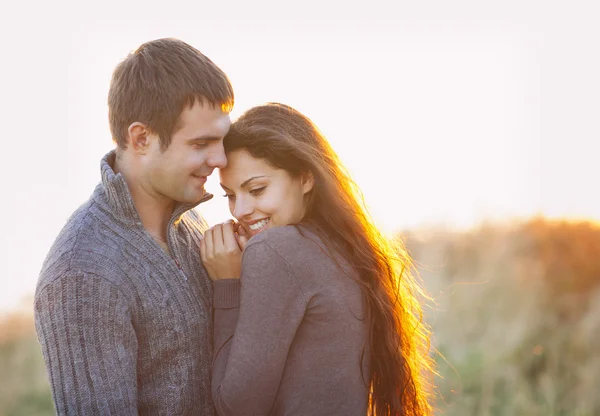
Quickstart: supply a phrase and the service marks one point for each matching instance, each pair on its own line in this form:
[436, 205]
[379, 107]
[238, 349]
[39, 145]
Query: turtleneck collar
[119, 198]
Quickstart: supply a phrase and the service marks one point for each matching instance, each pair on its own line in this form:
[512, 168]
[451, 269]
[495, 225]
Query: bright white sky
[445, 112]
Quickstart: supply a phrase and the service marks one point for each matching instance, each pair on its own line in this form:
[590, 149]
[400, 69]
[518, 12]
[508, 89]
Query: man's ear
[138, 137]
[308, 182]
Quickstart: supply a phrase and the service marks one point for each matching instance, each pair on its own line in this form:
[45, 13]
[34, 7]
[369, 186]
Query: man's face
[179, 172]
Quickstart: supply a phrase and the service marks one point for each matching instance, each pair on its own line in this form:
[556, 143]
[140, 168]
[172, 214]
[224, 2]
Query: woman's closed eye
[253, 192]
[257, 191]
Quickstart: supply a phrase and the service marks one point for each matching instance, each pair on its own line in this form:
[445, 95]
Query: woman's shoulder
[275, 234]
[289, 240]
[299, 248]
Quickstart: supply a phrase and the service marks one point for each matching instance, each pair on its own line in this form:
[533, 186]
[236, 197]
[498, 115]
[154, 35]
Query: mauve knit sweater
[289, 340]
[125, 329]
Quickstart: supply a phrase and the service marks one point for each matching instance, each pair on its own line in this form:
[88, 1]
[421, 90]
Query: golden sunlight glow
[440, 121]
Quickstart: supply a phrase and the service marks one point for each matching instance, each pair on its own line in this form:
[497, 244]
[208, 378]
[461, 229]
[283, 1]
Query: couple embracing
[298, 307]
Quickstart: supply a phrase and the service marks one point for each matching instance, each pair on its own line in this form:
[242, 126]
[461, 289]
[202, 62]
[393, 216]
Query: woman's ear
[308, 182]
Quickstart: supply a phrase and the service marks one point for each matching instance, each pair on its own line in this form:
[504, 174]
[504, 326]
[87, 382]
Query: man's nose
[217, 158]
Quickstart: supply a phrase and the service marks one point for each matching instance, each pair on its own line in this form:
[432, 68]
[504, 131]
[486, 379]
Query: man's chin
[193, 197]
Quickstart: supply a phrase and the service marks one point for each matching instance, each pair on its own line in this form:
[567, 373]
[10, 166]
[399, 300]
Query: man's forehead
[198, 122]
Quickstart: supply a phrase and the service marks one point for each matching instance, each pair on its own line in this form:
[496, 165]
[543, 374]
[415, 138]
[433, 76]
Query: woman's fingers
[242, 231]
[241, 236]
[220, 252]
[217, 235]
[241, 240]
[203, 248]
[219, 240]
[229, 240]
[208, 243]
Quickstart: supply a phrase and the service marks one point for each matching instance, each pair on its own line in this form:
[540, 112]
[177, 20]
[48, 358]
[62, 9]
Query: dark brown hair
[401, 369]
[155, 83]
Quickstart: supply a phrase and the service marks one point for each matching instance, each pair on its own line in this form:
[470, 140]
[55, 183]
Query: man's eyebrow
[203, 138]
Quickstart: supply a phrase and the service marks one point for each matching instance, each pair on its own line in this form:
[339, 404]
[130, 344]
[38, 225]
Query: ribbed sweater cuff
[226, 293]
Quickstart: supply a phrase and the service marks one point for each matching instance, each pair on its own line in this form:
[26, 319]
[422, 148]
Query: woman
[326, 318]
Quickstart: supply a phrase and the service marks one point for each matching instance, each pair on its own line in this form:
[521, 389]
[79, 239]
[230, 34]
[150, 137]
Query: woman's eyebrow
[251, 179]
[246, 182]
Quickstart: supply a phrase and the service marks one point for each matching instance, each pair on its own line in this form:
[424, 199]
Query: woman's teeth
[259, 225]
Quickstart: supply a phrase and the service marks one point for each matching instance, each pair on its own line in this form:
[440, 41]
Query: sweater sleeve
[248, 367]
[85, 330]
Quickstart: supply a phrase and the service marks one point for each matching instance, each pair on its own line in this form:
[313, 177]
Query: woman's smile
[256, 227]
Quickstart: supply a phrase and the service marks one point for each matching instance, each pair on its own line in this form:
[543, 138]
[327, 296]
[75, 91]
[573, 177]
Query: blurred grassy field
[24, 388]
[516, 321]
[517, 317]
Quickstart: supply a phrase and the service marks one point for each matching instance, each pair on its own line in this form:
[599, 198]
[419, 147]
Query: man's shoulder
[86, 244]
[87, 222]
[77, 224]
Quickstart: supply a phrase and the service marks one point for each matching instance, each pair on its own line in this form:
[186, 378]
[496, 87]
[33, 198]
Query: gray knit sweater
[124, 327]
[292, 338]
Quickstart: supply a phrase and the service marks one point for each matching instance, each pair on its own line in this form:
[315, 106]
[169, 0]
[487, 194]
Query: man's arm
[89, 345]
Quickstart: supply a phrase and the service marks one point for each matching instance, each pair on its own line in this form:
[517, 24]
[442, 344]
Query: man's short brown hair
[154, 84]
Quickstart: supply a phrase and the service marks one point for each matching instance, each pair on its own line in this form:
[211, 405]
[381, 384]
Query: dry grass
[24, 388]
[517, 318]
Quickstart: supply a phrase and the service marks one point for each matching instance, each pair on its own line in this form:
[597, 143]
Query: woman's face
[261, 196]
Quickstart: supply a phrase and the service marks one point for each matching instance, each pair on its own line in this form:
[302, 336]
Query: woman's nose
[242, 208]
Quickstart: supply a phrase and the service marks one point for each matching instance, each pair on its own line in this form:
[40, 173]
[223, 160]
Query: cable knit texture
[125, 329]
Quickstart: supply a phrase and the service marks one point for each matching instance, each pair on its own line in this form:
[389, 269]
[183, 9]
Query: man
[123, 304]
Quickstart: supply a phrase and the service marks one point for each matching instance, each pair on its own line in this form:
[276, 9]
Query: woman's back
[301, 338]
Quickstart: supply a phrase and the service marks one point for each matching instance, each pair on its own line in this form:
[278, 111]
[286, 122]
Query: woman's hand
[221, 250]
[241, 235]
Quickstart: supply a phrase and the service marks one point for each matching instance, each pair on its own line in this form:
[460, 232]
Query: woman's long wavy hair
[400, 382]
